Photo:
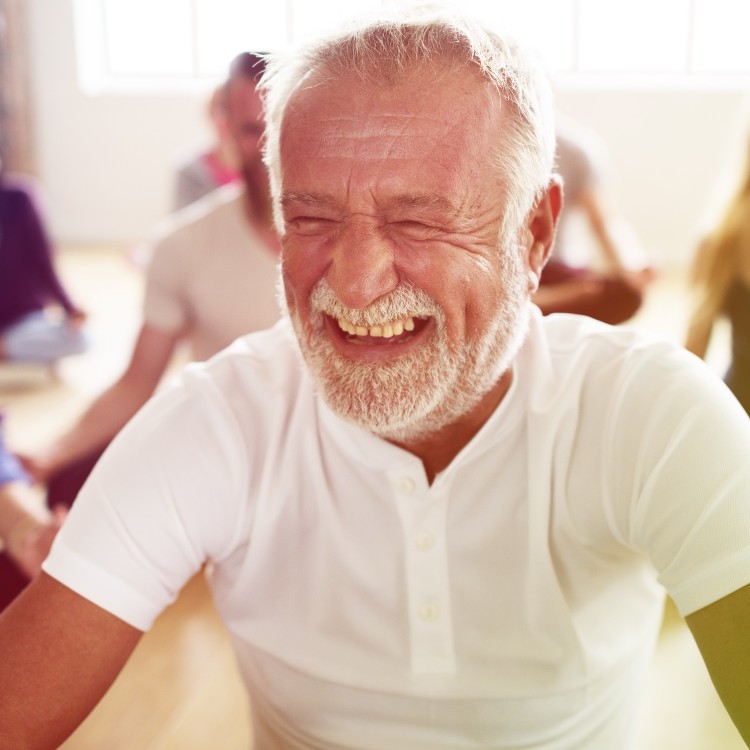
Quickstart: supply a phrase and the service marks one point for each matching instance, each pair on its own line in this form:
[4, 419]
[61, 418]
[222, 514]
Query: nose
[362, 267]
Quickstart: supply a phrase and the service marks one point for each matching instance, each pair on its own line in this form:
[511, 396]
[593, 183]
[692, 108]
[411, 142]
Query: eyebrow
[420, 200]
[307, 199]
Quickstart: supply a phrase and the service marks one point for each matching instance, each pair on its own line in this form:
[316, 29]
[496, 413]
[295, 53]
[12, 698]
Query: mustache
[403, 301]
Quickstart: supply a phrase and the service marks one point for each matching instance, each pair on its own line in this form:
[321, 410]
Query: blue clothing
[10, 469]
[29, 284]
[38, 337]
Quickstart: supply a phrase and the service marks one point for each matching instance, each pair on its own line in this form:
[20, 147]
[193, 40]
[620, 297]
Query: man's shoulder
[192, 166]
[584, 353]
[592, 362]
[262, 365]
[568, 333]
[218, 206]
[194, 225]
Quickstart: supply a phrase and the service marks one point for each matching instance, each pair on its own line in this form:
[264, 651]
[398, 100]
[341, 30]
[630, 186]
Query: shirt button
[406, 484]
[429, 611]
[425, 541]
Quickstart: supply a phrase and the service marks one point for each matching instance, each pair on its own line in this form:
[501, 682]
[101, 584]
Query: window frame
[96, 79]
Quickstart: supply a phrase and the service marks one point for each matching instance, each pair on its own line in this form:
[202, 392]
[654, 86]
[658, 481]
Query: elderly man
[442, 530]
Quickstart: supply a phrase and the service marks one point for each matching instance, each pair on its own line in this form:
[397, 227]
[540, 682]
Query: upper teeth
[386, 331]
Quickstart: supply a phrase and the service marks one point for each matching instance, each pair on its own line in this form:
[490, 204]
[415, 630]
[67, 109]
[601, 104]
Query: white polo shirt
[513, 603]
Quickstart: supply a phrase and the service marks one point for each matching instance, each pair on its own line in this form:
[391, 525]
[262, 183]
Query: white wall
[107, 162]
[672, 153]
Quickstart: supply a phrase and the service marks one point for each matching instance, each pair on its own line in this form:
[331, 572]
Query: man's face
[244, 119]
[406, 309]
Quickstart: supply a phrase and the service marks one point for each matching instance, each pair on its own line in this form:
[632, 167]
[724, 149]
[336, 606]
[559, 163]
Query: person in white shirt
[432, 517]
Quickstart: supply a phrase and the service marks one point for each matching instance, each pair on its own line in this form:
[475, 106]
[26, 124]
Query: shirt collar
[369, 449]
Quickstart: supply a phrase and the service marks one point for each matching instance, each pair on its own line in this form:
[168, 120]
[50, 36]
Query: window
[172, 45]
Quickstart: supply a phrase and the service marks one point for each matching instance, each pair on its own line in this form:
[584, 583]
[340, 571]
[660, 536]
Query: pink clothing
[220, 173]
[199, 177]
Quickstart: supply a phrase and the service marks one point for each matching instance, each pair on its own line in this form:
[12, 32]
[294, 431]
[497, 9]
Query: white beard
[420, 392]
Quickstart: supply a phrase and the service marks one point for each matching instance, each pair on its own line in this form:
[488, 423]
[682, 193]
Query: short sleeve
[164, 305]
[686, 449]
[166, 497]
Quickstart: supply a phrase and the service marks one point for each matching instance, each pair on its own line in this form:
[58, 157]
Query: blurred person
[615, 293]
[219, 165]
[720, 275]
[432, 517]
[211, 278]
[26, 527]
[39, 322]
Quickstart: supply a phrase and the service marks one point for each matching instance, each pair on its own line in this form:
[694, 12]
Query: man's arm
[617, 240]
[26, 529]
[722, 632]
[59, 653]
[704, 313]
[112, 409]
[698, 336]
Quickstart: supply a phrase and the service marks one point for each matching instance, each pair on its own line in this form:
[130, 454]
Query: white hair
[379, 48]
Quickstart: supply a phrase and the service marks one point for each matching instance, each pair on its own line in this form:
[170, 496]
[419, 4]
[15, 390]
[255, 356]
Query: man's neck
[258, 202]
[440, 448]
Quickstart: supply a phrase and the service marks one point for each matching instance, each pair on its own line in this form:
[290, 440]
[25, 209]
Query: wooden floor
[181, 689]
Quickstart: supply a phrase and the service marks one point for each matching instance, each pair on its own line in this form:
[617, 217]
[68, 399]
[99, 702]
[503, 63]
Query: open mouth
[393, 332]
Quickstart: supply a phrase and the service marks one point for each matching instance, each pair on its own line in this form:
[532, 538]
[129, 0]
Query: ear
[540, 235]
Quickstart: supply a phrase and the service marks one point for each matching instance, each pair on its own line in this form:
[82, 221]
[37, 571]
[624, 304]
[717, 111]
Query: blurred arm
[59, 653]
[109, 413]
[722, 632]
[616, 239]
[703, 316]
[699, 336]
[26, 528]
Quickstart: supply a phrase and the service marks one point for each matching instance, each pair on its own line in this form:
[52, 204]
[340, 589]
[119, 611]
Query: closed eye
[416, 230]
[310, 225]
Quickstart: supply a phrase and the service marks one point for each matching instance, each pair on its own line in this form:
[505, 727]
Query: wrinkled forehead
[400, 108]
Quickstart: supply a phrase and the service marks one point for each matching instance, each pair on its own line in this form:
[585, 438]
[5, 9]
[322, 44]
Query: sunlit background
[137, 44]
[119, 90]
[114, 98]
